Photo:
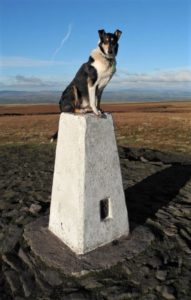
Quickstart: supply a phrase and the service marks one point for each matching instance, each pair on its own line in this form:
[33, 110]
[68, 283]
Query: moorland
[154, 150]
[157, 125]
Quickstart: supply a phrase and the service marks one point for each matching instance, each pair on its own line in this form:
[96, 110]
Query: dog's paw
[99, 113]
[83, 111]
[103, 115]
[96, 112]
[87, 110]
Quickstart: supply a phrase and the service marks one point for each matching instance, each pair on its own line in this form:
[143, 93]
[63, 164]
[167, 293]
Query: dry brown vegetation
[163, 126]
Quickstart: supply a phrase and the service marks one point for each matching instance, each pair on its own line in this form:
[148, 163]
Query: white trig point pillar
[88, 207]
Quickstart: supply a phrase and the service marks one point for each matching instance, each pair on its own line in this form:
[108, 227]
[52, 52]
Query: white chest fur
[104, 68]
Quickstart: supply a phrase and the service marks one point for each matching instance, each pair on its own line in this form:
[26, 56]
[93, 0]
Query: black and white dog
[83, 94]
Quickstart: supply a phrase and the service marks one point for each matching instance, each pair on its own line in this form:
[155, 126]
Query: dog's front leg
[93, 99]
[99, 94]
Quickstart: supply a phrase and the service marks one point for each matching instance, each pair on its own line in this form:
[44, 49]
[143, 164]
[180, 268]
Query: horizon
[154, 49]
[122, 96]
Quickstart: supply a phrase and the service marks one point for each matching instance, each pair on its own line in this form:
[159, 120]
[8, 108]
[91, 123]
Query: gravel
[156, 263]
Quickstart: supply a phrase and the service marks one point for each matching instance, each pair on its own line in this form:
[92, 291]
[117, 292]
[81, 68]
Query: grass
[161, 126]
[166, 132]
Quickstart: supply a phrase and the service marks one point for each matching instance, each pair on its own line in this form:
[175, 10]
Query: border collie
[83, 94]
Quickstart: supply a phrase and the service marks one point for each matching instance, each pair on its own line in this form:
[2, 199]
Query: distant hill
[128, 95]
[22, 97]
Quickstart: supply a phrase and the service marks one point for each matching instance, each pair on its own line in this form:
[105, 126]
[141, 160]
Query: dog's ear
[101, 34]
[118, 33]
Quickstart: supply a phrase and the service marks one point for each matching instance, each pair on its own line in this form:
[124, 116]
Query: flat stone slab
[54, 253]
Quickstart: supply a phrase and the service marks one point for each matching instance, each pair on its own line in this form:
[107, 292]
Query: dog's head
[108, 43]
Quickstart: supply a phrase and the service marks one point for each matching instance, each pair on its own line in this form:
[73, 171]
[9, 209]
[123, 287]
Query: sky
[44, 42]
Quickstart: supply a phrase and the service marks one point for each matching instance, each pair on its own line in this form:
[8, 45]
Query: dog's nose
[110, 51]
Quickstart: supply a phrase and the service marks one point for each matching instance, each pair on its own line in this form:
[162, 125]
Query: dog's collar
[111, 60]
[112, 64]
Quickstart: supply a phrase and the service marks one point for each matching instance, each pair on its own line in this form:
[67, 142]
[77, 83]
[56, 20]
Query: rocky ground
[158, 194]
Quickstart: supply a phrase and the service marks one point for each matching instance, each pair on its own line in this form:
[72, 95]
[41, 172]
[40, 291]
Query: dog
[84, 93]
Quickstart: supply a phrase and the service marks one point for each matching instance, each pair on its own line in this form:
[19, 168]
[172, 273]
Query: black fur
[76, 95]
[68, 102]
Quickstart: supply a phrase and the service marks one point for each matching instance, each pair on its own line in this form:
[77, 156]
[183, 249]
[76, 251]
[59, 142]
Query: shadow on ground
[156, 264]
[145, 198]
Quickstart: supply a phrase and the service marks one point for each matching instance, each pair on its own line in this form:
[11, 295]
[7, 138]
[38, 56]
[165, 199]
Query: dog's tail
[54, 137]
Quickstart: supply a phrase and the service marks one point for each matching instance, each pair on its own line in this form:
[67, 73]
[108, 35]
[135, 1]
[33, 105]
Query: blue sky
[155, 46]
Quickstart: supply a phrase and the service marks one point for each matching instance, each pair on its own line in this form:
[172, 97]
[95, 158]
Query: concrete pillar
[88, 207]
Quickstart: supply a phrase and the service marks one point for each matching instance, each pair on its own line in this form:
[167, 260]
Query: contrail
[66, 37]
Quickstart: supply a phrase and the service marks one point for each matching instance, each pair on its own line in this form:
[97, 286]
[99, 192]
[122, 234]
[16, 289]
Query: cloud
[28, 80]
[170, 79]
[63, 41]
[20, 82]
[167, 78]
[15, 62]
